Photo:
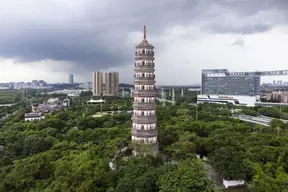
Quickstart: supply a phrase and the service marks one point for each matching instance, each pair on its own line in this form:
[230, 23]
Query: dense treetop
[71, 150]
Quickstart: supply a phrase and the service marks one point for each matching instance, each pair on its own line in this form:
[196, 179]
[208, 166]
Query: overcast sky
[48, 39]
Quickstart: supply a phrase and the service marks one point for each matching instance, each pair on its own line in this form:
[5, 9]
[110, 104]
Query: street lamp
[101, 107]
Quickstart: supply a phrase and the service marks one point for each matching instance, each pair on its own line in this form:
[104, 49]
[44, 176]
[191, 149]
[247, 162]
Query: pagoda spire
[144, 38]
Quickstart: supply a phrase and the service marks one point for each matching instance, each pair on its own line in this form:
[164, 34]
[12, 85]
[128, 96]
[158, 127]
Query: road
[253, 119]
[270, 118]
[160, 99]
[261, 120]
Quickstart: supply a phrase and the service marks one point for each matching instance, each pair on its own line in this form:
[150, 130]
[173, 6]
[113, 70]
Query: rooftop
[31, 115]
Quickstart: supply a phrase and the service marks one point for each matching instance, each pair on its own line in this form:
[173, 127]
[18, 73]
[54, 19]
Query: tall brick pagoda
[144, 127]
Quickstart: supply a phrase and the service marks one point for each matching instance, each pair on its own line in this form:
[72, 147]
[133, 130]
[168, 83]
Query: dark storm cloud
[92, 34]
[252, 7]
[246, 29]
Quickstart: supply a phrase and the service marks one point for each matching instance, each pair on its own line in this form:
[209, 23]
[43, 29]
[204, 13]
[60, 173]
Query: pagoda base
[144, 149]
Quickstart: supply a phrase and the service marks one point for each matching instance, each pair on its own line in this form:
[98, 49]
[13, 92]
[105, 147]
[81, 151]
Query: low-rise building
[66, 103]
[53, 100]
[34, 116]
[51, 106]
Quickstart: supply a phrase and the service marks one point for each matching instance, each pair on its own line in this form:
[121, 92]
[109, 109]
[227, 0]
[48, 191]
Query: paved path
[261, 120]
[253, 119]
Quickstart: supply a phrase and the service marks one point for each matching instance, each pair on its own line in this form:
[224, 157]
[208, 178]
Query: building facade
[34, 116]
[223, 82]
[71, 79]
[144, 128]
[97, 83]
[112, 84]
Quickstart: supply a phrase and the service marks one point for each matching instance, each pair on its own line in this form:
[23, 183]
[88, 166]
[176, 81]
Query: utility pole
[123, 92]
[163, 99]
[173, 96]
[101, 105]
[182, 92]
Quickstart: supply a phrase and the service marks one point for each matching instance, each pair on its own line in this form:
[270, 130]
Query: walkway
[111, 163]
[7, 105]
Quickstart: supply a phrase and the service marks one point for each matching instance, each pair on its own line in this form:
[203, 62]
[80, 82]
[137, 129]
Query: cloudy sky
[48, 39]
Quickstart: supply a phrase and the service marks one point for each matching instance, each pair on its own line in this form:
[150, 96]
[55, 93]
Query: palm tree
[278, 129]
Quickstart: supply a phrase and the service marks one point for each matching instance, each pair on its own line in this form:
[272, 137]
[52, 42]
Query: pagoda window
[143, 51]
[142, 100]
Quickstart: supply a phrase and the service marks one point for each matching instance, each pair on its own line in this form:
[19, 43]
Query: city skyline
[66, 37]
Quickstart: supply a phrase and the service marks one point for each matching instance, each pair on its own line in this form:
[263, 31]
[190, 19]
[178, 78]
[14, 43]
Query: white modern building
[248, 101]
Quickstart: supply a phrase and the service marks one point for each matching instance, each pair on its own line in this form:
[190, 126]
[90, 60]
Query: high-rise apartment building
[112, 83]
[97, 82]
[71, 79]
[144, 128]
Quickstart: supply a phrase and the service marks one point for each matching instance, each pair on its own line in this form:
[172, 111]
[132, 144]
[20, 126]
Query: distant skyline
[131, 83]
[48, 39]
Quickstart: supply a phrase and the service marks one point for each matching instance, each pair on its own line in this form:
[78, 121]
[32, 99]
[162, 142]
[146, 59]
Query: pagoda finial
[144, 32]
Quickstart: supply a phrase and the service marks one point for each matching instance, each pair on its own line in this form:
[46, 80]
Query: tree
[230, 163]
[139, 174]
[34, 144]
[274, 123]
[250, 112]
[188, 176]
[263, 182]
